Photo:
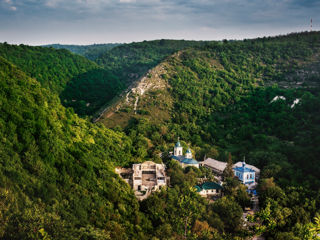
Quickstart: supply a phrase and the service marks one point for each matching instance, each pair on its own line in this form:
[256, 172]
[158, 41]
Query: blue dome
[188, 151]
[178, 144]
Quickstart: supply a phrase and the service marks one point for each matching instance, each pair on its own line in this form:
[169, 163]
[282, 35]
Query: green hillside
[52, 68]
[91, 52]
[130, 61]
[57, 170]
[257, 99]
[58, 181]
[81, 84]
[218, 99]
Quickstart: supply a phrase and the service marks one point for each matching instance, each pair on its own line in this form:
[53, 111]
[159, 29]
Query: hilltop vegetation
[57, 170]
[91, 52]
[131, 61]
[52, 68]
[220, 97]
[81, 83]
[58, 179]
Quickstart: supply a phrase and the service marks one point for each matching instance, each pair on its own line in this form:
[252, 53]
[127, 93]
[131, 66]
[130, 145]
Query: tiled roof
[207, 186]
[222, 165]
[198, 188]
[215, 164]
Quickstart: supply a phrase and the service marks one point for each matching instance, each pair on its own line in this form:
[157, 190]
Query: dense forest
[222, 101]
[80, 83]
[57, 178]
[131, 61]
[57, 170]
[91, 52]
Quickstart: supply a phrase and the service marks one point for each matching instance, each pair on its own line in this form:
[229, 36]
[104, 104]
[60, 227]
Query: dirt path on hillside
[109, 114]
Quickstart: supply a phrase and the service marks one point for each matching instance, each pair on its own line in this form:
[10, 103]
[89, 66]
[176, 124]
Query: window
[247, 176]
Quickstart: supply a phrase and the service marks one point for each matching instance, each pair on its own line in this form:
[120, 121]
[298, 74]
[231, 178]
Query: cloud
[10, 5]
[125, 20]
[52, 3]
[127, 1]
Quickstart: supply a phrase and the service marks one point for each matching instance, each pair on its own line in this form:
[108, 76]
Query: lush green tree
[230, 213]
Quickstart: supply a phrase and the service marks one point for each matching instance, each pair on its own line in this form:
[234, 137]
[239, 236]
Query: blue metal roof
[188, 151]
[185, 160]
[178, 144]
[179, 158]
[243, 169]
[189, 161]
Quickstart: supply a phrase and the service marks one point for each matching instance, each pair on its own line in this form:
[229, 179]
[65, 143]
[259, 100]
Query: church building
[184, 160]
[245, 174]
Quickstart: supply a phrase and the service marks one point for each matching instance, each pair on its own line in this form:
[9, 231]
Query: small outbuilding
[208, 189]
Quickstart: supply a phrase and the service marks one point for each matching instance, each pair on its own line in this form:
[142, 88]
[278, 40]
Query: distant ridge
[91, 51]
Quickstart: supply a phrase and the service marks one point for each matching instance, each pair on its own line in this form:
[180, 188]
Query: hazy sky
[102, 21]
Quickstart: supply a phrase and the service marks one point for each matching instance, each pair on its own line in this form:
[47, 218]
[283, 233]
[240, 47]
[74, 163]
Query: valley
[68, 123]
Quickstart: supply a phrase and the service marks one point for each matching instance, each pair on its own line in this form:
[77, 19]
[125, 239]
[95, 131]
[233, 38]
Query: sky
[36, 22]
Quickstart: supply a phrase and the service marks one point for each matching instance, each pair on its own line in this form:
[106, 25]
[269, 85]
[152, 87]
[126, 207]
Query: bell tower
[177, 151]
[189, 153]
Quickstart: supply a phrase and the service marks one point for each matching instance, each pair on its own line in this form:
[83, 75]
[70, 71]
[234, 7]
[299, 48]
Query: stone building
[145, 177]
[148, 176]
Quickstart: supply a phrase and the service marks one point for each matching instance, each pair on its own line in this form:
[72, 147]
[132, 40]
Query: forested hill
[217, 98]
[52, 68]
[257, 100]
[131, 61]
[81, 83]
[57, 170]
[219, 73]
[89, 51]
[57, 178]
